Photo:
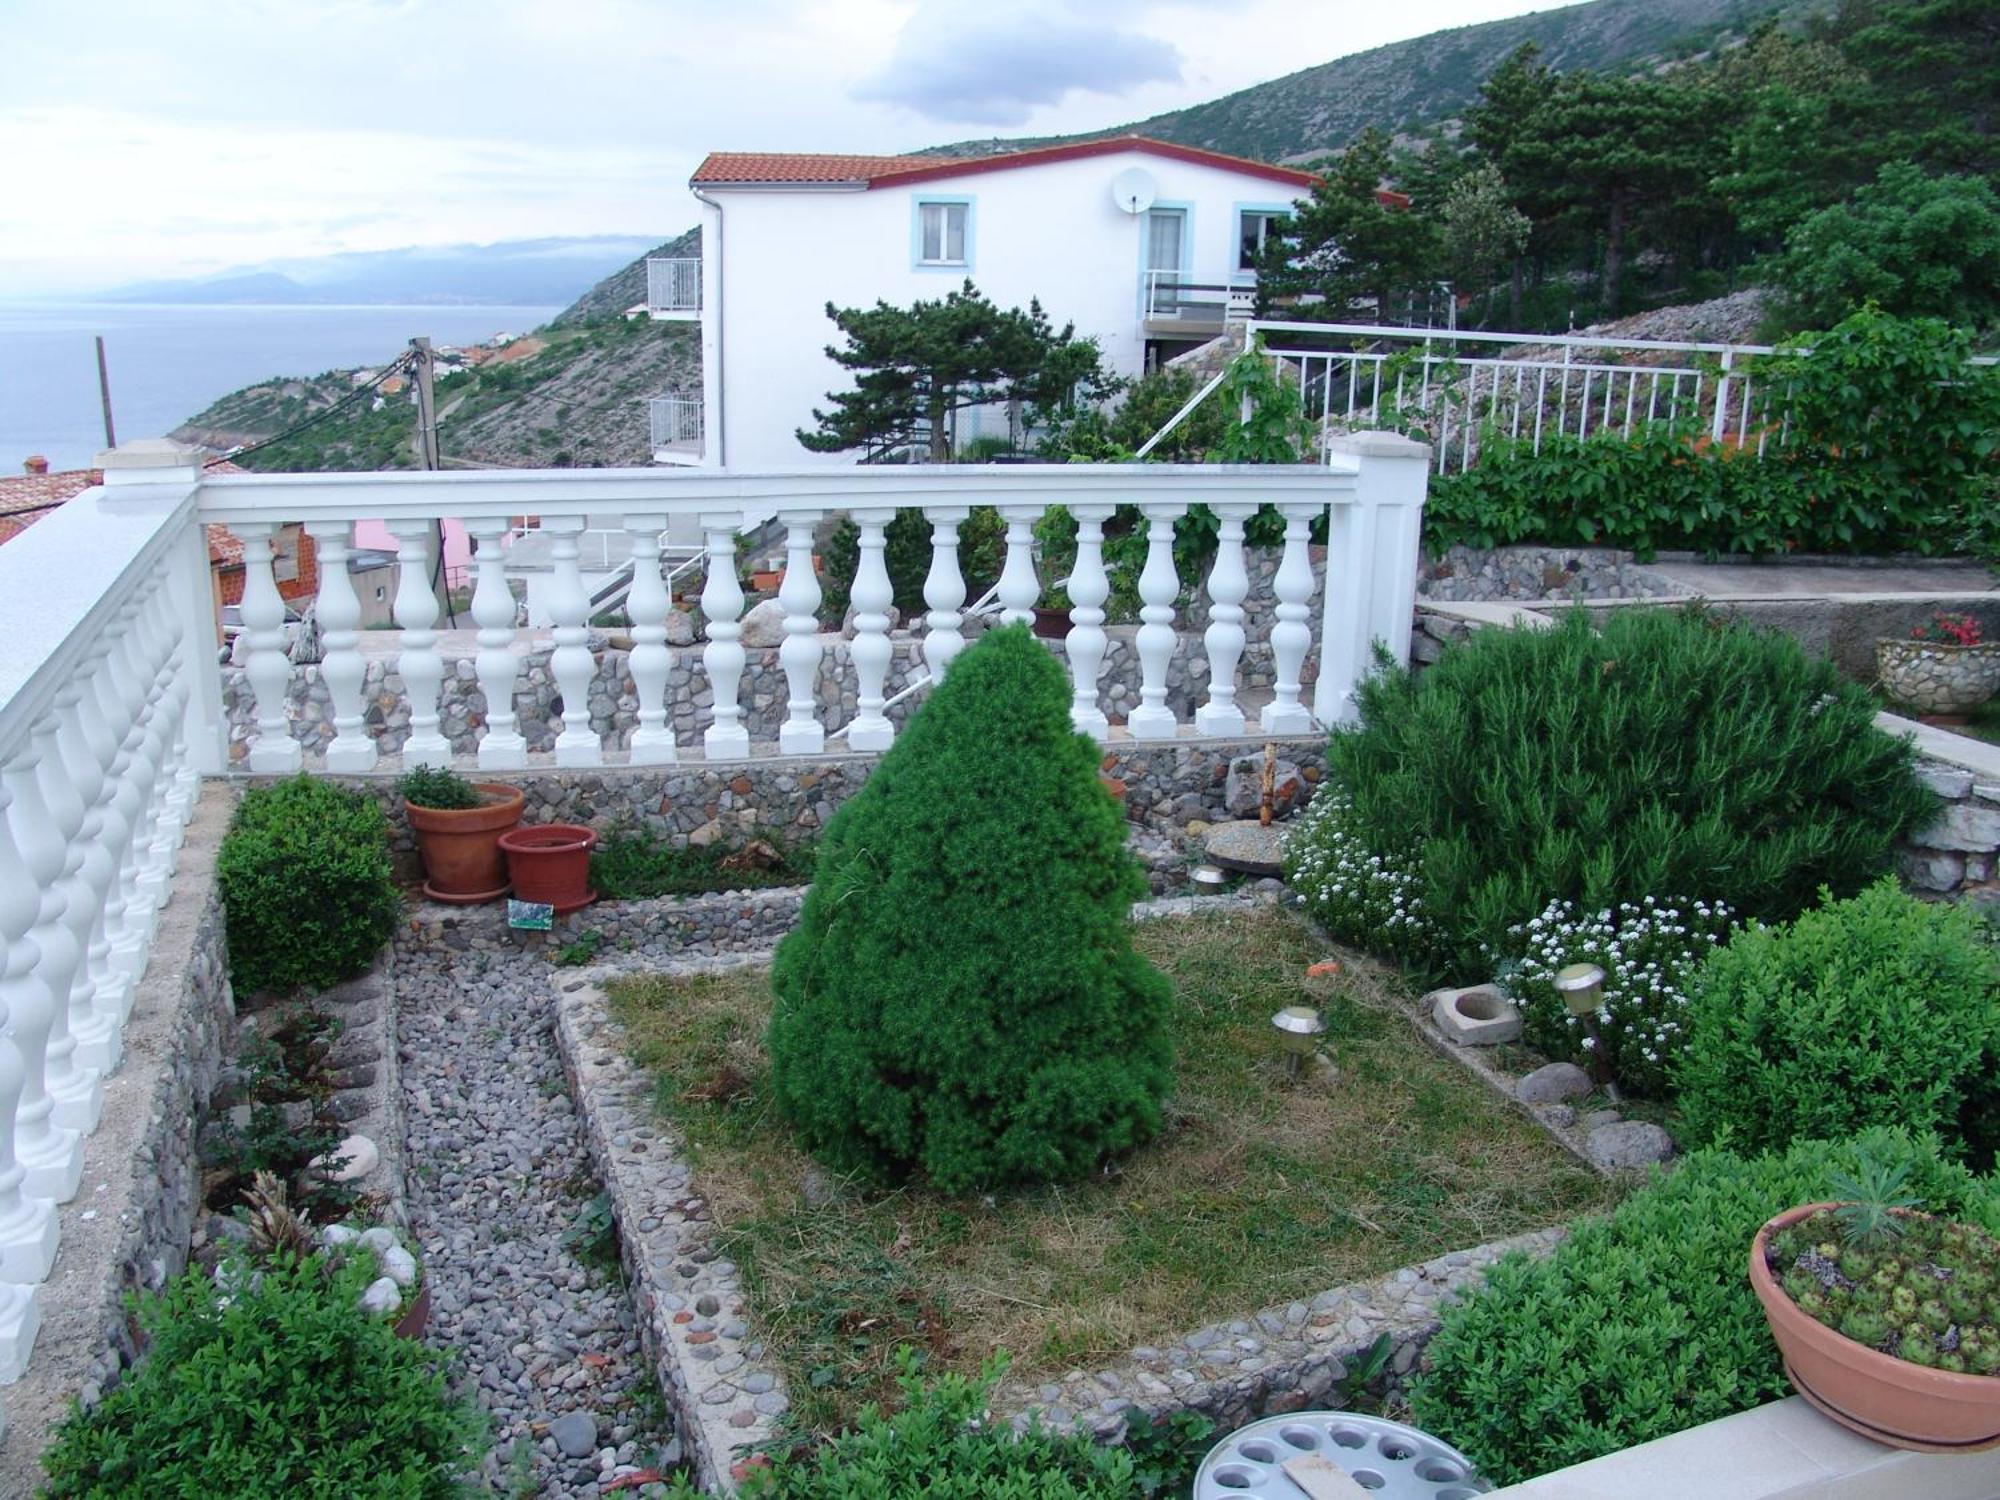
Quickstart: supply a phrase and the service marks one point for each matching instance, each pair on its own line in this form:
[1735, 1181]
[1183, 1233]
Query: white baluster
[421, 667]
[722, 658]
[571, 662]
[1084, 645]
[51, 1154]
[872, 596]
[341, 664]
[159, 827]
[273, 752]
[1291, 636]
[651, 663]
[1159, 585]
[28, 1226]
[128, 684]
[944, 590]
[1019, 588]
[20, 1321]
[1228, 583]
[502, 747]
[77, 1091]
[96, 1008]
[800, 594]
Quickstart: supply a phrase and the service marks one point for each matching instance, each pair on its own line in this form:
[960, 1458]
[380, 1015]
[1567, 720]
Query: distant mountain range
[544, 272]
[1428, 78]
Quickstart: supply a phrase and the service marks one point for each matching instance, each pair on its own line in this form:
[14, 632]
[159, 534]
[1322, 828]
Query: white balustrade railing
[673, 284]
[112, 700]
[675, 422]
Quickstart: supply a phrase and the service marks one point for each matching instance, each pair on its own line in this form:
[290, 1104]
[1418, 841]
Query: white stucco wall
[1049, 230]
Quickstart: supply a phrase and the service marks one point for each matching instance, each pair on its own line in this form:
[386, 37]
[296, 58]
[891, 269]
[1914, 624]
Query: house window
[941, 233]
[1253, 227]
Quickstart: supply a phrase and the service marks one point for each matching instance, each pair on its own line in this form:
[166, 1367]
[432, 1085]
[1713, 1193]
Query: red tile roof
[805, 168]
[26, 498]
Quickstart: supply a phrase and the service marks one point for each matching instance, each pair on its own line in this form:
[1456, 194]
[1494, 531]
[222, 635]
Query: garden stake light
[1299, 1029]
[1208, 877]
[1582, 989]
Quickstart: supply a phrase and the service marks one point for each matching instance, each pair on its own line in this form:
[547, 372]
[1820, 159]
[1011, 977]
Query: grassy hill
[623, 289]
[1429, 78]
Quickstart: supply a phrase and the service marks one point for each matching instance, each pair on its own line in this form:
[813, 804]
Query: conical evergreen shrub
[961, 999]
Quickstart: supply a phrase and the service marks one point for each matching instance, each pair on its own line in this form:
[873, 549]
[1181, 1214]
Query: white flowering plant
[1648, 950]
[1362, 896]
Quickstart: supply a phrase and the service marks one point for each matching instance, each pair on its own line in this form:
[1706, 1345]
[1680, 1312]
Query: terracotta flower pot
[1865, 1390]
[1051, 624]
[416, 1315]
[1935, 677]
[550, 862]
[461, 846]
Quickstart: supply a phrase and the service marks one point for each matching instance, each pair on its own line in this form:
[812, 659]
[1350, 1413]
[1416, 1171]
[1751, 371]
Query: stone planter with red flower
[1945, 668]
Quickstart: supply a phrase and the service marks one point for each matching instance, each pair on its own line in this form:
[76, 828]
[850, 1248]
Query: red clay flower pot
[550, 862]
[460, 847]
[1865, 1390]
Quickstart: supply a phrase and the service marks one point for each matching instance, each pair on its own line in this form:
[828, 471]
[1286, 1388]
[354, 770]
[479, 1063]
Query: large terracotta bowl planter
[1051, 624]
[550, 863]
[461, 846]
[1865, 1390]
[1935, 678]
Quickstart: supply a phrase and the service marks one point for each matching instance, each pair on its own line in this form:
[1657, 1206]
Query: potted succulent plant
[1944, 669]
[458, 824]
[1888, 1319]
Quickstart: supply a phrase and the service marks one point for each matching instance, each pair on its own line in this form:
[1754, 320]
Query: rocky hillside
[1430, 78]
[626, 288]
[571, 396]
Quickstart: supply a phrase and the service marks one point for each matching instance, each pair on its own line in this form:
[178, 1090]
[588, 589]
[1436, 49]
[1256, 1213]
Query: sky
[145, 138]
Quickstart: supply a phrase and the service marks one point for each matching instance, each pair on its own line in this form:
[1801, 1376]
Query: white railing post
[77, 1091]
[1291, 636]
[273, 752]
[421, 667]
[204, 727]
[646, 604]
[134, 775]
[1159, 586]
[352, 748]
[723, 657]
[872, 595]
[161, 814]
[1228, 584]
[95, 1010]
[1719, 427]
[28, 1226]
[1019, 588]
[1084, 645]
[52, 1154]
[799, 594]
[570, 663]
[1371, 564]
[502, 747]
[944, 590]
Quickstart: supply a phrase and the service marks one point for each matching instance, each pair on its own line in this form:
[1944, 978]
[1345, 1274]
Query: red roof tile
[806, 168]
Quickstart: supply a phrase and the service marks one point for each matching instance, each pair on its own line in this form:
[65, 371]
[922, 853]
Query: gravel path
[498, 1175]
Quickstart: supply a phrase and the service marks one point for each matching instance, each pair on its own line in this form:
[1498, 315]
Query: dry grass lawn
[1258, 1192]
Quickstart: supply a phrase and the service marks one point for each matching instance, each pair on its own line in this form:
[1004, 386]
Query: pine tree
[1347, 246]
[961, 999]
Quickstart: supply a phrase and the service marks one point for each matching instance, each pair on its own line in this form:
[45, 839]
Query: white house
[1144, 245]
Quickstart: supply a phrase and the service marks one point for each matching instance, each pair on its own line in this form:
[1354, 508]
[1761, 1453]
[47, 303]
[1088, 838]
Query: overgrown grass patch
[1257, 1191]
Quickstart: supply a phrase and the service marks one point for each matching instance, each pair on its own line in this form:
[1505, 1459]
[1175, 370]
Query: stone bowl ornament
[1946, 668]
[1334, 1455]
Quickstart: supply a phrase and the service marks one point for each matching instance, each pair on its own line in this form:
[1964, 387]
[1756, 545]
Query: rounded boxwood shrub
[1882, 1010]
[284, 1390]
[1642, 1323]
[961, 997]
[1670, 753]
[307, 894]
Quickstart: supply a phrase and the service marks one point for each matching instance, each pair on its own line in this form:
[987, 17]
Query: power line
[319, 416]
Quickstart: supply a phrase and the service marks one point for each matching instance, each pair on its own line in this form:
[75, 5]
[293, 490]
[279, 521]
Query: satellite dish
[1133, 191]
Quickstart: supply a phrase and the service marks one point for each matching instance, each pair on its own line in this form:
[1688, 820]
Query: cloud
[989, 65]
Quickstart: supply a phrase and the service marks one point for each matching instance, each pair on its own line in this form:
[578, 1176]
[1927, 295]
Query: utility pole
[104, 394]
[422, 372]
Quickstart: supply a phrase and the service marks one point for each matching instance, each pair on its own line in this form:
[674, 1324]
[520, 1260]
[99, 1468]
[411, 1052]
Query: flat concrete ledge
[1784, 1451]
[1977, 756]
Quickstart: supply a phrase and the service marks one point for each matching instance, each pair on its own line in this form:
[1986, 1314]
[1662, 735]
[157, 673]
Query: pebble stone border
[727, 1396]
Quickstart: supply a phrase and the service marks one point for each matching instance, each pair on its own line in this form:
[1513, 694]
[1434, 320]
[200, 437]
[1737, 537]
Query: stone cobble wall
[1959, 854]
[614, 702]
[1524, 574]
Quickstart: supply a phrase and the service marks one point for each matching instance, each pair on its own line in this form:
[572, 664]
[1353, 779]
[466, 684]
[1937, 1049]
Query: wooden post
[104, 394]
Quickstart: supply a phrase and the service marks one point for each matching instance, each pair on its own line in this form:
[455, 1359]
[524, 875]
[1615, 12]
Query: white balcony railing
[112, 697]
[1173, 297]
[675, 423]
[673, 286]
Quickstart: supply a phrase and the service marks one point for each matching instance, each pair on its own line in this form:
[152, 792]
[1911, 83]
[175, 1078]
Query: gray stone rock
[381, 1297]
[1627, 1144]
[680, 628]
[1553, 1082]
[575, 1433]
[1243, 791]
[764, 625]
[1247, 846]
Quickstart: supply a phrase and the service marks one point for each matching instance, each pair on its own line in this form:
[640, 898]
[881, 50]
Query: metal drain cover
[1383, 1457]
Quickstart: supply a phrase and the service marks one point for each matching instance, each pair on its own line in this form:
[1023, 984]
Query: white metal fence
[673, 284]
[676, 422]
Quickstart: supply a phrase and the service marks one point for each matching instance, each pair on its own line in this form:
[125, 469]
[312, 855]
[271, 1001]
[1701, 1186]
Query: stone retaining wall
[1529, 574]
[1960, 853]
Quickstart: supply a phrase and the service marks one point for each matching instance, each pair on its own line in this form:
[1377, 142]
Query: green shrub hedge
[1669, 753]
[307, 893]
[961, 997]
[1643, 1323]
[1881, 1010]
[286, 1390]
